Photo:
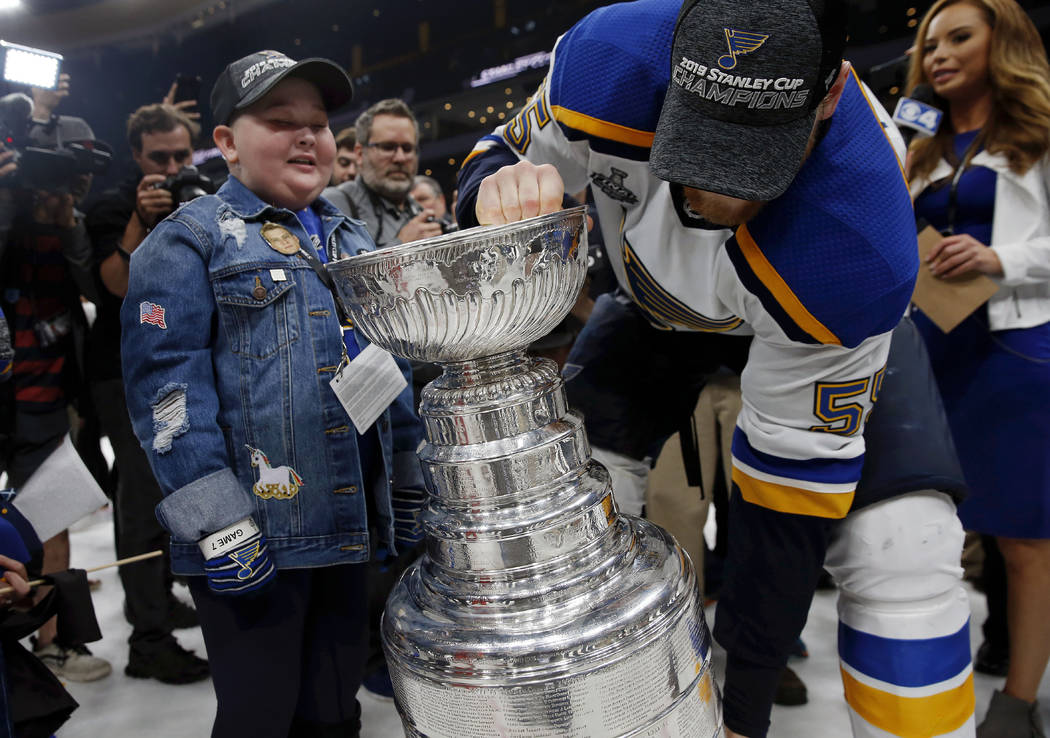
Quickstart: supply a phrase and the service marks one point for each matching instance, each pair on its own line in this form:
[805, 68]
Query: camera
[49, 155]
[50, 332]
[446, 226]
[188, 184]
[16, 113]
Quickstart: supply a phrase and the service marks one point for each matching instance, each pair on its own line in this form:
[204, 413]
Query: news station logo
[917, 115]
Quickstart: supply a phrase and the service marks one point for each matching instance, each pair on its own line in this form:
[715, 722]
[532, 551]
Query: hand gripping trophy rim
[469, 294]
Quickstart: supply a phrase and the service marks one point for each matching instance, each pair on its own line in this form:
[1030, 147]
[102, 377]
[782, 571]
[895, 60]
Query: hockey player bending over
[756, 215]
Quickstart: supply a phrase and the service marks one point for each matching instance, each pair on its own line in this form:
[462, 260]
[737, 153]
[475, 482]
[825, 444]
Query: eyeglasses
[389, 148]
[161, 158]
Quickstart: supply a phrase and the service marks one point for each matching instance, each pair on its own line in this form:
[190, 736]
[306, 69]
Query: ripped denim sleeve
[170, 419]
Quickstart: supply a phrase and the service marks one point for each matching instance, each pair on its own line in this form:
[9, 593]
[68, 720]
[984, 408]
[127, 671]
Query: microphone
[916, 115]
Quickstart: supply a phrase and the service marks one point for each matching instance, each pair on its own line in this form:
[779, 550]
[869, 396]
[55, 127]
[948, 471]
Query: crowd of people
[763, 253]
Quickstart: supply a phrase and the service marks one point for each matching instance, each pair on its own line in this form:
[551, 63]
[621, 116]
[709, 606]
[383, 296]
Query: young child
[230, 339]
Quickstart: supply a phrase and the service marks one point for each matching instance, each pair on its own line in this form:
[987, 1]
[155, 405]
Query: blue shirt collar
[246, 204]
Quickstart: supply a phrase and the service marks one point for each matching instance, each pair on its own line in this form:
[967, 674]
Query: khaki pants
[670, 502]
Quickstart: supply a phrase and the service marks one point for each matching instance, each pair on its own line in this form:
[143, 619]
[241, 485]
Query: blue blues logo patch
[244, 558]
[740, 43]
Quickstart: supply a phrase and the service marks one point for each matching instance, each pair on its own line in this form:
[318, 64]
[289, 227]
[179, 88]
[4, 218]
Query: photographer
[161, 141]
[7, 207]
[44, 269]
[428, 193]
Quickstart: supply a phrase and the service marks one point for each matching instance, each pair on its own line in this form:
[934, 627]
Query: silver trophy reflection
[538, 610]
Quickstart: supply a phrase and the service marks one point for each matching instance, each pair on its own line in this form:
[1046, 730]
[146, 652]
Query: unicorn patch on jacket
[281, 483]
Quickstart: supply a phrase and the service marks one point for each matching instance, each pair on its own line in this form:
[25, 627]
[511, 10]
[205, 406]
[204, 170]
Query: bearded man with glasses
[388, 154]
[161, 140]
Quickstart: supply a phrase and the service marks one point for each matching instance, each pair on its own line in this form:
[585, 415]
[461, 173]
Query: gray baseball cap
[246, 80]
[746, 81]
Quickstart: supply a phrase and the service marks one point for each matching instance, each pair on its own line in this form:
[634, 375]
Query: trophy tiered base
[538, 610]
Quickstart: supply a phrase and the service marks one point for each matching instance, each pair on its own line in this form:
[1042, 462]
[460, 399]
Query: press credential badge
[367, 385]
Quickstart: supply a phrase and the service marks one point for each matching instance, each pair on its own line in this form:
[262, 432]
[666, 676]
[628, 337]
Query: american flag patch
[153, 314]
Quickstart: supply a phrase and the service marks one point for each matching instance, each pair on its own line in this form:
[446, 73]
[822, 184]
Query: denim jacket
[228, 348]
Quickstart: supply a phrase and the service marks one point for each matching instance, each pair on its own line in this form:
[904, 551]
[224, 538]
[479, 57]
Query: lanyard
[953, 190]
[326, 279]
[311, 222]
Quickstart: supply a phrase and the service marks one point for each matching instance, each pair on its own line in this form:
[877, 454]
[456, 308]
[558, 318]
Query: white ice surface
[122, 707]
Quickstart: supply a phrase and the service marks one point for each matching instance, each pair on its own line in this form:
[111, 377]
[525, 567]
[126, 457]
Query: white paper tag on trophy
[367, 385]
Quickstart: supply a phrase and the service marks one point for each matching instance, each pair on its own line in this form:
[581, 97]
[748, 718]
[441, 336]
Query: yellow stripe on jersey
[780, 290]
[661, 304]
[474, 153]
[911, 717]
[794, 500]
[602, 128]
[878, 122]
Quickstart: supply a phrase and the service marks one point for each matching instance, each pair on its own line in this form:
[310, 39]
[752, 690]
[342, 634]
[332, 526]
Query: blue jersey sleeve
[834, 259]
[611, 76]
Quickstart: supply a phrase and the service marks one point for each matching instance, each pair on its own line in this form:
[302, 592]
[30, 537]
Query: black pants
[288, 662]
[636, 385]
[382, 576]
[147, 584]
[36, 435]
[994, 579]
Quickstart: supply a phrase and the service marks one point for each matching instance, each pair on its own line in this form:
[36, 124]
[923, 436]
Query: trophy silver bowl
[537, 609]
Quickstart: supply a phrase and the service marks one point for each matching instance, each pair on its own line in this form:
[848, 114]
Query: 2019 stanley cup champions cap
[246, 80]
[746, 81]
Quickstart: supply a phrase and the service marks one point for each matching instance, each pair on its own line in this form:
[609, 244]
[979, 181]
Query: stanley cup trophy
[537, 611]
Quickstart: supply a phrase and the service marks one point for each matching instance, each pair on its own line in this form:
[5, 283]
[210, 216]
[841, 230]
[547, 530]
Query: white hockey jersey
[821, 276]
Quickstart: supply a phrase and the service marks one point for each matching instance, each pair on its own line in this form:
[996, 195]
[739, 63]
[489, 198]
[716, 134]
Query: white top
[1020, 238]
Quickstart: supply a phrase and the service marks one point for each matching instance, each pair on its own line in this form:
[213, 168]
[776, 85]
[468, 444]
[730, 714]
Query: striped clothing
[37, 292]
[7, 351]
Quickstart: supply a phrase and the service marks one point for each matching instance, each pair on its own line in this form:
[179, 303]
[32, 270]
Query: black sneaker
[790, 690]
[181, 615]
[166, 661]
[992, 659]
